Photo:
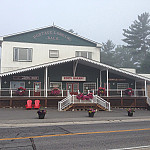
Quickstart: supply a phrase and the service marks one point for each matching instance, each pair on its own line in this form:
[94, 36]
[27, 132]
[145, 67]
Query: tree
[107, 52]
[138, 35]
[145, 65]
[123, 57]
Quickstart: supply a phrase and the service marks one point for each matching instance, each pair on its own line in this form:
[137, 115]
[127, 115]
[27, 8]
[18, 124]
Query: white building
[44, 45]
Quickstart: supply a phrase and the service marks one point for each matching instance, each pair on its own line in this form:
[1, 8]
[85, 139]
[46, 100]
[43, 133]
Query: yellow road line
[42, 136]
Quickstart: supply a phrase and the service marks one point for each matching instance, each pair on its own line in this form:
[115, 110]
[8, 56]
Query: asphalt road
[77, 137]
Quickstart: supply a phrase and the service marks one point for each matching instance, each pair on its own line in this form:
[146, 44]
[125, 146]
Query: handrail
[148, 100]
[97, 99]
[71, 99]
[31, 93]
[64, 103]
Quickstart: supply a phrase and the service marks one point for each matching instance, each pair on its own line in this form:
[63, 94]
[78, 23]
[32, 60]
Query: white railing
[98, 100]
[63, 93]
[121, 93]
[64, 103]
[148, 100]
[71, 99]
[31, 93]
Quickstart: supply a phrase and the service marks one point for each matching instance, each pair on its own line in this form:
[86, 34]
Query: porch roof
[84, 61]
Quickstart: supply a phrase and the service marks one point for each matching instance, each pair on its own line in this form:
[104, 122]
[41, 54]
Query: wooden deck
[139, 102]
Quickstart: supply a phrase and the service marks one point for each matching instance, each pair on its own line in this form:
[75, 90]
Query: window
[55, 85]
[22, 54]
[84, 54]
[122, 86]
[89, 86]
[53, 53]
[16, 84]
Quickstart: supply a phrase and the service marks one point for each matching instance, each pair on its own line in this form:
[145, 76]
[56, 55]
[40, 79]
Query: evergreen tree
[145, 65]
[138, 34]
[107, 53]
[123, 58]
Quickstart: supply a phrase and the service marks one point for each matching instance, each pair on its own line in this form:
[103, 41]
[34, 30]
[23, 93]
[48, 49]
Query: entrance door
[37, 88]
[73, 88]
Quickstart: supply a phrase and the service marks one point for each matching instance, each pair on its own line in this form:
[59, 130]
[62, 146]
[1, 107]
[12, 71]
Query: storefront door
[37, 88]
[73, 88]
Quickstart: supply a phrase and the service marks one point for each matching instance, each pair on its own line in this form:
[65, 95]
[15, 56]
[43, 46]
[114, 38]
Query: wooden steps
[83, 106]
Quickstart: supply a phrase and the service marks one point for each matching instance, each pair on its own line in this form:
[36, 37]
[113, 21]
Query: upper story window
[22, 54]
[53, 53]
[84, 54]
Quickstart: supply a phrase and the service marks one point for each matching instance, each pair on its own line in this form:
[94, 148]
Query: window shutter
[15, 57]
[30, 54]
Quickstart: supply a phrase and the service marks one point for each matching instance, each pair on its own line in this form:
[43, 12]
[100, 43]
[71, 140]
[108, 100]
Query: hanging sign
[69, 78]
[117, 79]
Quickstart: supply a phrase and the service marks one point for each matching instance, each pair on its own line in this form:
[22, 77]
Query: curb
[17, 125]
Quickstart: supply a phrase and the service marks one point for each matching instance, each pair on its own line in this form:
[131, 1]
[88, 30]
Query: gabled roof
[83, 61]
[32, 36]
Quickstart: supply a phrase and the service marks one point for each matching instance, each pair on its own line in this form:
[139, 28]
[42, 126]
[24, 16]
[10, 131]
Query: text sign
[117, 79]
[25, 78]
[68, 78]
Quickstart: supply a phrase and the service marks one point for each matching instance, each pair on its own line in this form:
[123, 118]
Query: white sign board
[68, 78]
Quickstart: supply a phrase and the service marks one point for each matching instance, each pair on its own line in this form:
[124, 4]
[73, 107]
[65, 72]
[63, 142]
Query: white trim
[122, 84]
[89, 83]
[100, 76]
[73, 59]
[145, 88]
[135, 89]
[1, 38]
[46, 72]
[52, 54]
[0, 83]
[54, 82]
[107, 83]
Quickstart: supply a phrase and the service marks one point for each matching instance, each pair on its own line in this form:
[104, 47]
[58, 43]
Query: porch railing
[71, 99]
[31, 93]
[64, 93]
[101, 101]
[121, 93]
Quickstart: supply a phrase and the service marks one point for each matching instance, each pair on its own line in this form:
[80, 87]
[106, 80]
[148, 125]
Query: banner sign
[117, 79]
[68, 78]
[25, 78]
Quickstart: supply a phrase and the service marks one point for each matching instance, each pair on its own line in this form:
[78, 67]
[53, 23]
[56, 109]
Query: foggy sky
[98, 20]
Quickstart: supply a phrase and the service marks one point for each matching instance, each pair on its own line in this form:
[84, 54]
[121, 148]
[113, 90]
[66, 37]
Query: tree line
[136, 51]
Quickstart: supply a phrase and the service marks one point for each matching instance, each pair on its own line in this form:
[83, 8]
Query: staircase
[71, 102]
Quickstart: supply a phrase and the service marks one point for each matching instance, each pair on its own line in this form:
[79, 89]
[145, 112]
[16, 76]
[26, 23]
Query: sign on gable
[50, 35]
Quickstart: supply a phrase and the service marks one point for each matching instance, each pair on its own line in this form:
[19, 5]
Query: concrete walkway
[20, 117]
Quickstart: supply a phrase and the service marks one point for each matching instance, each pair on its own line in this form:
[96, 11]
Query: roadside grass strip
[82, 133]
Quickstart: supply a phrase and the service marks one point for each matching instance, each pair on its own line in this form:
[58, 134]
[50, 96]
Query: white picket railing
[65, 102]
[31, 93]
[42, 93]
[71, 99]
[98, 100]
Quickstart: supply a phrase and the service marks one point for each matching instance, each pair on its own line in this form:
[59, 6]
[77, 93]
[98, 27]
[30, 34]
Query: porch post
[107, 83]
[100, 77]
[135, 90]
[145, 89]
[0, 84]
[46, 71]
[97, 83]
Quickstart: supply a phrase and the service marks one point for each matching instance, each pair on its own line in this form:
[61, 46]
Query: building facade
[51, 57]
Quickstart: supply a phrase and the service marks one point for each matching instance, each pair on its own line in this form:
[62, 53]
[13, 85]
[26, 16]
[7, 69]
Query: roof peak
[54, 26]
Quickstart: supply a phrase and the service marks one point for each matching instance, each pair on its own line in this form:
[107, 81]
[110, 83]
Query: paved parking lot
[21, 115]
